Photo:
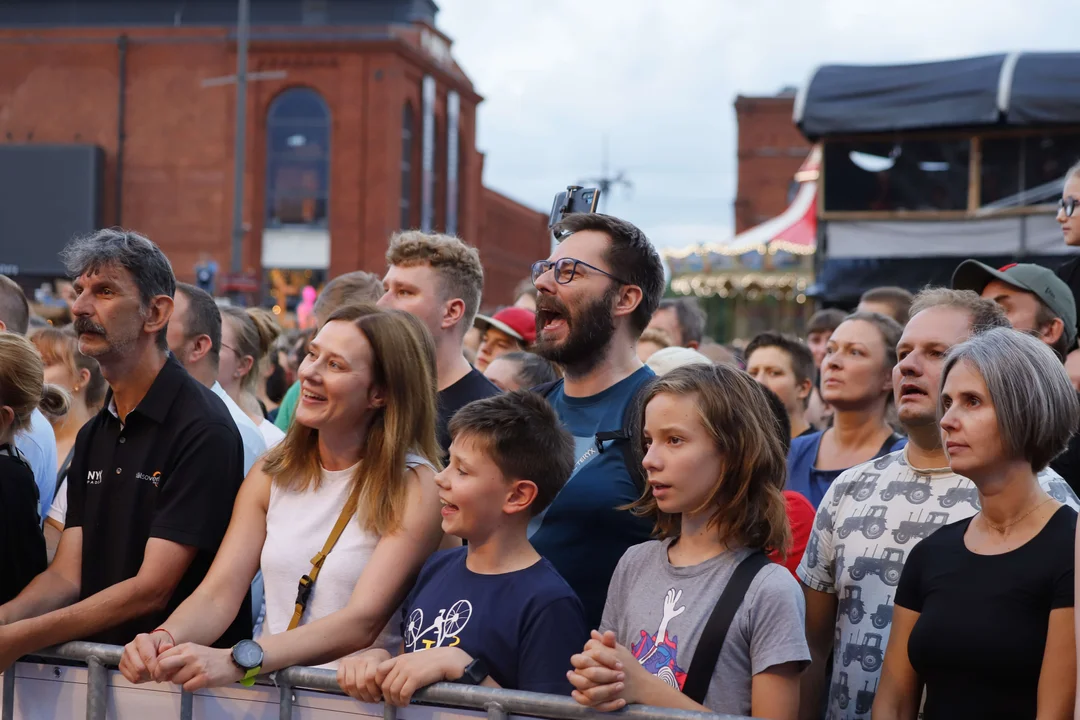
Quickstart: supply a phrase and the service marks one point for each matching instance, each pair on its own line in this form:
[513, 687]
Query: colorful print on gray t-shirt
[658, 611]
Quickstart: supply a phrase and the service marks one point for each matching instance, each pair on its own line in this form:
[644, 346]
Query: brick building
[771, 149]
[359, 123]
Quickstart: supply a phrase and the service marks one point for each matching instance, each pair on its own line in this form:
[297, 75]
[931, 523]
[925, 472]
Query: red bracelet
[161, 629]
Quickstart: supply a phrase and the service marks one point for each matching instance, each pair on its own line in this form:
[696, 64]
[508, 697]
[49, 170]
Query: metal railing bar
[187, 702]
[96, 688]
[507, 702]
[9, 695]
[285, 703]
[495, 712]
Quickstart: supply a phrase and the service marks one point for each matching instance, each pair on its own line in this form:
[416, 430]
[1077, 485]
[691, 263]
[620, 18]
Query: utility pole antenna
[607, 181]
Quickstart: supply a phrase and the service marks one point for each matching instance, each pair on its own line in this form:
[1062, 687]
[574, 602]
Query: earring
[75, 389]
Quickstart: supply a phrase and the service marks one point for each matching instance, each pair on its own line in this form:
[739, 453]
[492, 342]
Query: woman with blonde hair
[351, 485]
[80, 376]
[22, 389]
[247, 335]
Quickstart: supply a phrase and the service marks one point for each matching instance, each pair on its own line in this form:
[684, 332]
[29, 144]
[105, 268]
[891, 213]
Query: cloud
[658, 80]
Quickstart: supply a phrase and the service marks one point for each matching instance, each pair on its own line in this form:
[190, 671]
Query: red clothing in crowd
[801, 516]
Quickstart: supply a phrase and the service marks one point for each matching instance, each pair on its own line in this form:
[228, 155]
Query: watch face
[248, 654]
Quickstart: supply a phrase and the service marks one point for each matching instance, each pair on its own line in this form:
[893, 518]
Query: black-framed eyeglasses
[565, 270]
[1067, 205]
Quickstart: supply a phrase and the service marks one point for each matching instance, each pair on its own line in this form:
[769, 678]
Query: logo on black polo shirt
[94, 477]
[155, 478]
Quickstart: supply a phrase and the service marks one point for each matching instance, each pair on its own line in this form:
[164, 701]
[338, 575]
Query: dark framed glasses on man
[566, 269]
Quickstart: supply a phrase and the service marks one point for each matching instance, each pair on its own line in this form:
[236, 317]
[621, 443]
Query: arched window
[297, 160]
[406, 166]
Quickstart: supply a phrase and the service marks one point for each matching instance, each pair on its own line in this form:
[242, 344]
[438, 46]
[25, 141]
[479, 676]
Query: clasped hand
[373, 676]
[153, 657]
[606, 675]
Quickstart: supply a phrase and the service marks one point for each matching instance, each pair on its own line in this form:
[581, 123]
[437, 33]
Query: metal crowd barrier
[36, 688]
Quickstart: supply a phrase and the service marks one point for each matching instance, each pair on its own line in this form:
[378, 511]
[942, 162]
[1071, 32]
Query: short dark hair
[802, 360]
[1044, 315]
[14, 309]
[532, 370]
[151, 270]
[690, 315]
[203, 316]
[631, 257]
[352, 288]
[897, 298]
[780, 414]
[524, 438]
[827, 319]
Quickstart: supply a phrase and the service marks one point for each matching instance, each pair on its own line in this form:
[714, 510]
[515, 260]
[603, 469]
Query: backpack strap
[703, 664]
[624, 437]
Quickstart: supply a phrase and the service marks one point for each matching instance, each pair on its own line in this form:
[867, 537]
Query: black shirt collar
[159, 398]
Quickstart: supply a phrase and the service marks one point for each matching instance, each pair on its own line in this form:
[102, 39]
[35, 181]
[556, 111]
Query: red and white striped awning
[793, 231]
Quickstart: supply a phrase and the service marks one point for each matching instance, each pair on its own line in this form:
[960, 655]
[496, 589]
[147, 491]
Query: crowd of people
[578, 494]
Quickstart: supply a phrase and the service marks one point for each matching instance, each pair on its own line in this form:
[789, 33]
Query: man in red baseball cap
[509, 330]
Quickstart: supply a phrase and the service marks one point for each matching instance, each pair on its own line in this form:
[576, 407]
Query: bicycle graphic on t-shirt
[446, 625]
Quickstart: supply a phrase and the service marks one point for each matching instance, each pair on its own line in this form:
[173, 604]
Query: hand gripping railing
[497, 703]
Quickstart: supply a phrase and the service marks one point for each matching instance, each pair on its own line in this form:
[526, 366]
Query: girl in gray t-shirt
[716, 468]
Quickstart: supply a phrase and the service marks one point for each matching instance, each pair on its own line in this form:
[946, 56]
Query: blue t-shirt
[581, 532]
[524, 625]
[807, 480]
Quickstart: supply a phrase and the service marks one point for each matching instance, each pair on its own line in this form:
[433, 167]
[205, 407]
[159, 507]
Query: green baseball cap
[1035, 279]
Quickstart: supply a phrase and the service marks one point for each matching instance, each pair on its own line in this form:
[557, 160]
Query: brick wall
[62, 86]
[771, 149]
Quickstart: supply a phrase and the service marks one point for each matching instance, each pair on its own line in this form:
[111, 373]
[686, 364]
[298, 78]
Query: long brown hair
[22, 382]
[747, 498]
[403, 367]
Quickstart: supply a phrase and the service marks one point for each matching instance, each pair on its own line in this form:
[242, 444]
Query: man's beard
[589, 333]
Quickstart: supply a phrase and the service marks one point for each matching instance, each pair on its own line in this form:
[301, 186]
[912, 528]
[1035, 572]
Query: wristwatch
[248, 656]
[474, 674]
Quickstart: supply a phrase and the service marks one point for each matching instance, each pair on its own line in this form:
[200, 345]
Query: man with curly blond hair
[439, 279]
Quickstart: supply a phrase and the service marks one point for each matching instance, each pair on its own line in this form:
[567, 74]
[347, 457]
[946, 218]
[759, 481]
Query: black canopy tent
[1019, 89]
[919, 120]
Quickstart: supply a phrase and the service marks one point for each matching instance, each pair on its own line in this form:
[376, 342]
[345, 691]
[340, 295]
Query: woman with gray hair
[984, 609]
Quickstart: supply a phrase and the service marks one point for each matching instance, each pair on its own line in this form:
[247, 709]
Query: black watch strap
[475, 672]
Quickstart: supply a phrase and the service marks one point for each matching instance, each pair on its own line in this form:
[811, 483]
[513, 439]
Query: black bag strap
[703, 664]
[62, 473]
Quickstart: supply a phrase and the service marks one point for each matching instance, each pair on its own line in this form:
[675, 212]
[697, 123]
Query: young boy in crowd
[494, 612]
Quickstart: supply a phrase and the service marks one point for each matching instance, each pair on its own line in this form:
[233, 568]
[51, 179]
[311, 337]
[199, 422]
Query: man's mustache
[85, 325]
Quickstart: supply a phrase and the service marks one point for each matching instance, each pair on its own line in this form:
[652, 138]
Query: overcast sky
[659, 78]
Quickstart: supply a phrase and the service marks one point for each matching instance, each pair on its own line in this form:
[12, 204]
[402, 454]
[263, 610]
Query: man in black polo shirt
[154, 474]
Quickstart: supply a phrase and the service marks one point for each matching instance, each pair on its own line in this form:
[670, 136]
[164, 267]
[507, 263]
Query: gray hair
[690, 316]
[151, 270]
[985, 314]
[1036, 406]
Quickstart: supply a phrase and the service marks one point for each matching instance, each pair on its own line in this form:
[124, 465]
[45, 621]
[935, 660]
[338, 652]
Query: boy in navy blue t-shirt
[494, 612]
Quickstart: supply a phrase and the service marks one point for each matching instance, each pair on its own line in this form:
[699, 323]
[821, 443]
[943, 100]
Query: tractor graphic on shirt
[659, 653]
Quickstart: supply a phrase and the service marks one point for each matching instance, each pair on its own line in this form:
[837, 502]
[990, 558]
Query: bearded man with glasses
[595, 296]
